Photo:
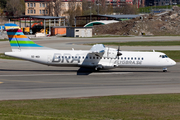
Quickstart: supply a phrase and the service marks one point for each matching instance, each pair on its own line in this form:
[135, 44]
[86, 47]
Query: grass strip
[126, 107]
[144, 43]
[4, 40]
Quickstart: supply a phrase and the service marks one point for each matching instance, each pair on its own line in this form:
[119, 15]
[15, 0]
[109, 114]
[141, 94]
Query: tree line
[12, 7]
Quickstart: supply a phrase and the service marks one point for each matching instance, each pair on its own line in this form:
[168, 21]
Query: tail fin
[18, 40]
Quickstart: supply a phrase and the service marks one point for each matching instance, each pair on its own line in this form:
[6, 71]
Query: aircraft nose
[173, 62]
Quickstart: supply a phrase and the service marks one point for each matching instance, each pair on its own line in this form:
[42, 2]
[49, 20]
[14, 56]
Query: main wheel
[97, 69]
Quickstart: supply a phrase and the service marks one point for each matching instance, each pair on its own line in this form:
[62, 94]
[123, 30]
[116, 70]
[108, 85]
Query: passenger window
[132, 58]
[97, 57]
[79, 57]
[121, 58]
[62, 56]
[142, 58]
[75, 56]
[93, 57]
[86, 57]
[72, 57]
[128, 58]
[125, 58]
[135, 58]
[89, 57]
[69, 57]
[138, 58]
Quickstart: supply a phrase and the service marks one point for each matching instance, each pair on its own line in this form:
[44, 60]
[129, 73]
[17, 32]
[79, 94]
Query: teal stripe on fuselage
[19, 39]
[15, 33]
[14, 45]
[25, 45]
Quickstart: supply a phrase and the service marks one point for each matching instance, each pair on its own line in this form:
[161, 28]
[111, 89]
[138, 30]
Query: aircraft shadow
[85, 71]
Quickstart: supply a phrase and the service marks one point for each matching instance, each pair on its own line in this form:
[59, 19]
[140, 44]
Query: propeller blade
[118, 53]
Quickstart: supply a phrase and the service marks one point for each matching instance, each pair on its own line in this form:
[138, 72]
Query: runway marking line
[1, 82]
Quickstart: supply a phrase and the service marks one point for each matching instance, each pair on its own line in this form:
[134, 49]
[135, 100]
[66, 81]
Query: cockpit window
[163, 56]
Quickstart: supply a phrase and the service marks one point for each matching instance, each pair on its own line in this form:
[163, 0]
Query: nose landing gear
[164, 69]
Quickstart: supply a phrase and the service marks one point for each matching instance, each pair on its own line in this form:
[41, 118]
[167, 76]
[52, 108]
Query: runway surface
[26, 80]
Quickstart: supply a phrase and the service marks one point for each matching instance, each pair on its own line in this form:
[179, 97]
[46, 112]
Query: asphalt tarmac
[21, 79]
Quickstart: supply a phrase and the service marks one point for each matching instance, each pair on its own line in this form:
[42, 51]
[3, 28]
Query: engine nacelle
[110, 53]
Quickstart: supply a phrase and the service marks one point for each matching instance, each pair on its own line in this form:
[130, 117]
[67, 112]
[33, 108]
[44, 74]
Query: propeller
[118, 51]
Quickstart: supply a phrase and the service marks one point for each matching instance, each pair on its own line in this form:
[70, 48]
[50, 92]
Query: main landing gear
[97, 68]
[164, 69]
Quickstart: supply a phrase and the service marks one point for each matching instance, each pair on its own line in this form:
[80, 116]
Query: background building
[44, 7]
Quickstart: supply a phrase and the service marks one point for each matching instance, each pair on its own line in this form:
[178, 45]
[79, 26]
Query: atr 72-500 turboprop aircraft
[98, 57]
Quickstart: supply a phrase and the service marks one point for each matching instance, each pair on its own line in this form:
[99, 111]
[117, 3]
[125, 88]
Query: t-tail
[18, 40]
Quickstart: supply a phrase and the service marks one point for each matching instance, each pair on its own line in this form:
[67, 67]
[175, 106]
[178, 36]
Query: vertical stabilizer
[18, 40]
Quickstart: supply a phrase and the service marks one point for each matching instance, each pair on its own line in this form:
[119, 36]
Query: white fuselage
[86, 59]
[98, 57]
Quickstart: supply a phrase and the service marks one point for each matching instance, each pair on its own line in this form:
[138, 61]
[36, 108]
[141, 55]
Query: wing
[98, 50]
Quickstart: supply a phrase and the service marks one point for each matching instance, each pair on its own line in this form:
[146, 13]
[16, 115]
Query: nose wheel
[164, 69]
